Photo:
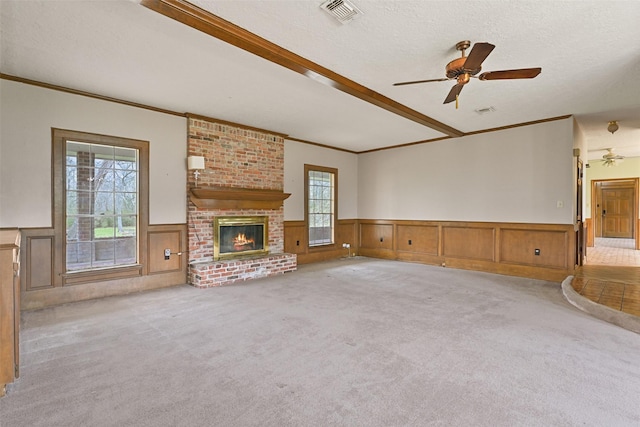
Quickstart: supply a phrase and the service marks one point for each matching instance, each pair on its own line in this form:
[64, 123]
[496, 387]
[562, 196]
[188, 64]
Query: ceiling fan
[465, 67]
[610, 158]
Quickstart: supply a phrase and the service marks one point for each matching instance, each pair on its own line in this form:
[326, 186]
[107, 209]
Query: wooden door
[617, 212]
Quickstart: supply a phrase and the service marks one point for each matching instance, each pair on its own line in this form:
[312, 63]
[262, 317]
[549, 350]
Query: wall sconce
[195, 164]
[613, 126]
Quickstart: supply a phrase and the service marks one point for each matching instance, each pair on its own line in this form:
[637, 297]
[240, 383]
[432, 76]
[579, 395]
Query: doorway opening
[613, 238]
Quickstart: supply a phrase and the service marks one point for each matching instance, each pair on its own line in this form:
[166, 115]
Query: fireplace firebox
[239, 236]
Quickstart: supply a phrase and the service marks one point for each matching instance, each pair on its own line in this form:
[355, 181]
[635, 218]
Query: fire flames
[241, 242]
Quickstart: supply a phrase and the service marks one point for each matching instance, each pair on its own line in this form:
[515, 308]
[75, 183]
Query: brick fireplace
[243, 177]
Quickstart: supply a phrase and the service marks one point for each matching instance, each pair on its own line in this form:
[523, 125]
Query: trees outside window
[102, 208]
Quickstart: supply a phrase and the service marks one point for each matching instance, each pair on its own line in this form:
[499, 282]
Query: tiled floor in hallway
[611, 275]
[613, 252]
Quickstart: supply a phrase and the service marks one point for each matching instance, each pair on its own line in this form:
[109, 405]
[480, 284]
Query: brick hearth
[226, 272]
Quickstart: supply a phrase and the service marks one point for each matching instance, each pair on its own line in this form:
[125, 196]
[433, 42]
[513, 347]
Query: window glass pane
[85, 228]
[126, 225]
[72, 229]
[126, 180]
[103, 155]
[84, 202]
[326, 193]
[104, 229]
[126, 203]
[72, 152]
[83, 177]
[105, 253]
[79, 255]
[102, 185]
[72, 178]
[103, 203]
[103, 179]
[126, 250]
[126, 159]
[72, 202]
[320, 207]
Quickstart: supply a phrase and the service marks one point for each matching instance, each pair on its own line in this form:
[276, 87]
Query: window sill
[322, 248]
[99, 275]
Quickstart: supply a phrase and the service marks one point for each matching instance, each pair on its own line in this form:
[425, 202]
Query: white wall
[27, 115]
[514, 175]
[629, 168]
[296, 155]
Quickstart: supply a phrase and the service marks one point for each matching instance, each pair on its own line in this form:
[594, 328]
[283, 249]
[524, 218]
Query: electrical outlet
[346, 245]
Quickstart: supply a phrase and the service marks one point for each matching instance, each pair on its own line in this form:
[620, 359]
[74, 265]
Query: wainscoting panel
[37, 259]
[39, 276]
[503, 248]
[295, 237]
[376, 236]
[161, 237]
[521, 246]
[469, 242]
[41, 289]
[347, 232]
[295, 241]
[418, 239]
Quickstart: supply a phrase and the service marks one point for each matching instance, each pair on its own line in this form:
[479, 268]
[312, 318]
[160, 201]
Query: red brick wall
[237, 157]
[234, 157]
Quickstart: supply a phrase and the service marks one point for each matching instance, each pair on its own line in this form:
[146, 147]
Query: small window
[321, 189]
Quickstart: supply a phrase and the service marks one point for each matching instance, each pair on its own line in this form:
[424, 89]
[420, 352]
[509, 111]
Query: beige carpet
[356, 342]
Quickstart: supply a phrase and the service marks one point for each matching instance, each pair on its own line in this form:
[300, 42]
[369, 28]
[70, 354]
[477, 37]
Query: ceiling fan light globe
[613, 127]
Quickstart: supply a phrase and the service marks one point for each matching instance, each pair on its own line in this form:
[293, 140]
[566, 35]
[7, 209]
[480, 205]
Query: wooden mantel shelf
[236, 198]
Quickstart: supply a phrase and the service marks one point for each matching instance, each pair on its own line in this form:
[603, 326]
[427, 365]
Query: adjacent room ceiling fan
[611, 158]
[465, 67]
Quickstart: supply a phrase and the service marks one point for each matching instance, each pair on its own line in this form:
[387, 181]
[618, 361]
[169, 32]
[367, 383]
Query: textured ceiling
[589, 52]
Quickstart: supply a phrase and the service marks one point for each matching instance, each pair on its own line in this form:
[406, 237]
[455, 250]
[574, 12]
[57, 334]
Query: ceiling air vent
[343, 10]
[486, 110]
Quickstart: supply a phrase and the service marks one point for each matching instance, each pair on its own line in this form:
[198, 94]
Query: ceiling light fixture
[613, 126]
[611, 158]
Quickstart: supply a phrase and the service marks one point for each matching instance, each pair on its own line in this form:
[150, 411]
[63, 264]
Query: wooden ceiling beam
[202, 20]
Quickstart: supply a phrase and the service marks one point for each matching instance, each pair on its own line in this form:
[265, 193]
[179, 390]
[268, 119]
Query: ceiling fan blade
[478, 53]
[420, 81]
[523, 73]
[453, 93]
